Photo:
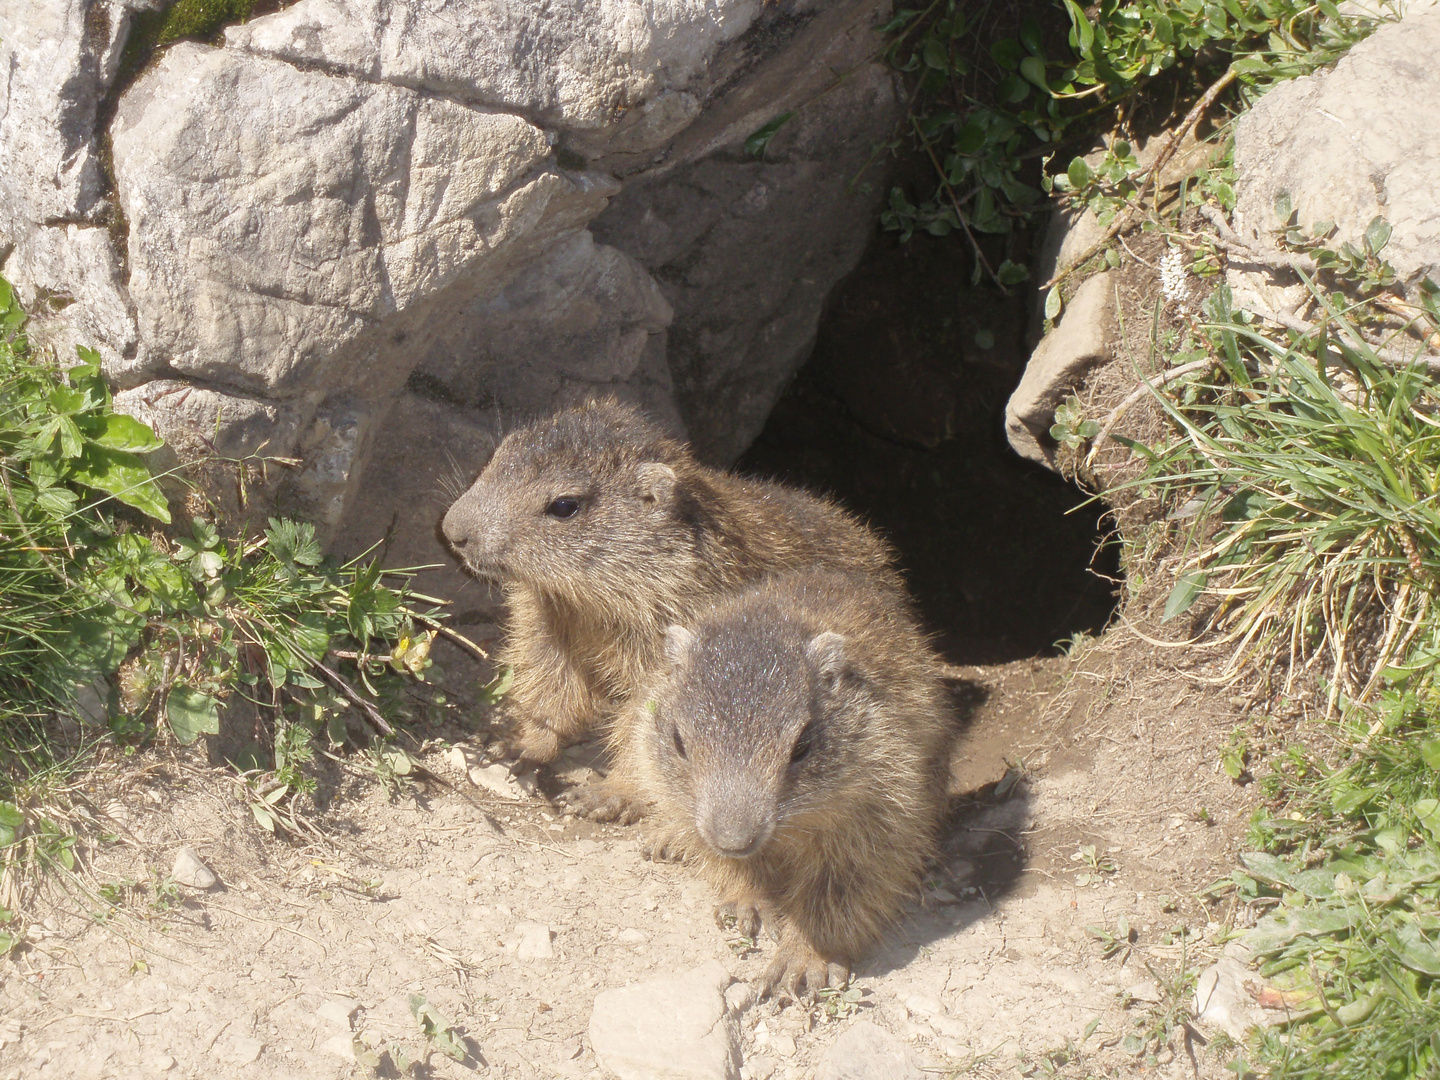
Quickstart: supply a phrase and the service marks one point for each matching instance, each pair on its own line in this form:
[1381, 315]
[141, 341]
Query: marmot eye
[803, 745]
[563, 507]
[679, 743]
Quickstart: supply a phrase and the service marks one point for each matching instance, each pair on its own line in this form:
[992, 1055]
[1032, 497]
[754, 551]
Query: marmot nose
[733, 838]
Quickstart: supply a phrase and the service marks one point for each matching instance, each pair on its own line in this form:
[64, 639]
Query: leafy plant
[1071, 429]
[981, 104]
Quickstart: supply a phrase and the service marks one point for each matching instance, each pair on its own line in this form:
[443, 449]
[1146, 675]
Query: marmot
[602, 532]
[795, 747]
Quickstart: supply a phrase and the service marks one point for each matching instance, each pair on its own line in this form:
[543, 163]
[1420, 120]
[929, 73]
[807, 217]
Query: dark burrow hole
[899, 413]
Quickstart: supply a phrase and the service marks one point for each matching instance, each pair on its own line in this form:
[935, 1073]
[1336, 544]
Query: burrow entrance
[899, 414]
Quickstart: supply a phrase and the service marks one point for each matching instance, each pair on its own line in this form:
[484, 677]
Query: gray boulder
[366, 236]
[1347, 145]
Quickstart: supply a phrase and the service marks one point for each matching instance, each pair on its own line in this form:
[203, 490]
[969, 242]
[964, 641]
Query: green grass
[120, 629]
[1304, 475]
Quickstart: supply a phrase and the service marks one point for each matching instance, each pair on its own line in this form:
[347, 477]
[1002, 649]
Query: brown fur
[795, 748]
[657, 536]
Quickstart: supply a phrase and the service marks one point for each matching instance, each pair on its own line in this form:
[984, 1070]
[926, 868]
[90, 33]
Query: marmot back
[603, 531]
[795, 747]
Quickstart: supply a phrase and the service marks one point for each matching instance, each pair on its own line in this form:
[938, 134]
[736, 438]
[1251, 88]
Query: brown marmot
[602, 532]
[795, 747]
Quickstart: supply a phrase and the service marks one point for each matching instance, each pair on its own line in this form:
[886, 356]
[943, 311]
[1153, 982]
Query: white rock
[159, 1063]
[1225, 998]
[924, 1005]
[499, 780]
[672, 1028]
[761, 1068]
[631, 936]
[338, 1012]
[1057, 365]
[342, 1046]
[783, 1045]
[190, 870]
[530, 941]
[1147, 990]
[244, 1051]
[867, 1052]
[740, 998]
[1344, 146]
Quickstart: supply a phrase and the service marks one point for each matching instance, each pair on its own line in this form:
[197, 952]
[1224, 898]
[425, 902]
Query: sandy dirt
[1083, 798]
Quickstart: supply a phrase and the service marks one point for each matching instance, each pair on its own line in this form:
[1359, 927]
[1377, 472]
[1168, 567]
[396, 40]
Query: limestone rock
[1226, 997]
[190, 870]
[276, 214]
[574, 64]
[531, 941]
[867, 1052]
[672, 1028]
[1056, 366]
[1344, 145]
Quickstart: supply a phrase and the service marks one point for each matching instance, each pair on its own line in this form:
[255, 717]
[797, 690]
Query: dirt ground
[1084, 798]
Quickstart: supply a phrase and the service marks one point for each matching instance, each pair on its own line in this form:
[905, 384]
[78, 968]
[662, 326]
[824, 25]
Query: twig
[1232, 242]
[458, 638]
[352, 695]
[959, 214]
[1145, 388]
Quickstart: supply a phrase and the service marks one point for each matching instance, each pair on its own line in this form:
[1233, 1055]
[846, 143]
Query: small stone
[342, 1046]
[924, 1005]
[783, 1045]
[530, 941]
[160, 1063]
[1147, 990]
[677, 1027]
[244, 1051]
[1225, 998]
[337, 1012]
[740, 998]
[498, 780]
[867, 1052]
[190, 869]
[761, 1068]
[631, 936]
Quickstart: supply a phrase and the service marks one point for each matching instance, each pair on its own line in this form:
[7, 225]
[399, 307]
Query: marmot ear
[678, 642]
[826, 653]
[657, 482]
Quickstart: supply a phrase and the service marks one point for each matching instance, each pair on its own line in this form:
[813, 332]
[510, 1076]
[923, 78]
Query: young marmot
[795, 748]
[602, 532]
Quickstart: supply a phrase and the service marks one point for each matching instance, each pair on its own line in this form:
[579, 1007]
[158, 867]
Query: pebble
[160, 1063]
[190, 870]
[631, 936]
[337, 1012]
[499, 780]
[867, 1052]
[530, 941]
[244, 1051]
[783, 1045]
[761, 1068]
[342, 1046]
[677, 1026]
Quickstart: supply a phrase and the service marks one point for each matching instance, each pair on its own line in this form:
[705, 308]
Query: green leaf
[123, 476]
[1416, 951]
[759, 141]
[1053, 303]
[1430, 752]
[1183, 596]
[1079, 173]
[1033, 68]
[1427, 812]
[984, 338]
[1012, 273]
[192, 713]
[936, 55]
[10, 821]
[1377, 235]
[1012, 90]
[125, 433]
[1083, 32]
[1007, 52]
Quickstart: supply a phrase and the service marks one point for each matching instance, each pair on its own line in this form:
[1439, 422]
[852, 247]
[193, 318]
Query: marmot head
[577, 502]
[755, 726]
